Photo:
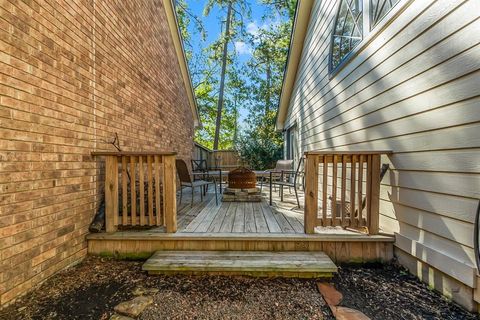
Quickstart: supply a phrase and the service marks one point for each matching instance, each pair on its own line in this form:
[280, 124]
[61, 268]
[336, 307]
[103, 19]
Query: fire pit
[242, 186]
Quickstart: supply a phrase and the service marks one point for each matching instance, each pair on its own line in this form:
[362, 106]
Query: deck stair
[251, 263]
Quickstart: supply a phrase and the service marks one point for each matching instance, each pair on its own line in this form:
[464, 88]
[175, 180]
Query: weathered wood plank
[359, 217]
[297, 263]
[133, 190]
[204, 218]
[239, 222]
[353, 178]
[170, 193]
[373, 219]
[111, 194]
[124, 191]
[285, 226]
[216, 224]
[269, 218]
[311, 193]
[260, 222]
[158, 209]
[150, 189]
[325, 191]
[229, 219]
[249, 218]
[141, 190]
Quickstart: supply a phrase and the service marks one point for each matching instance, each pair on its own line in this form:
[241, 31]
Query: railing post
[170, 196]
[311, 192]
[374, 214]
[111, 193]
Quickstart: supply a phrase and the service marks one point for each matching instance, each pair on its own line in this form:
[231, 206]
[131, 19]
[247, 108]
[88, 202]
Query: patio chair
[280, 166]
[288, 178]
[187, 181]
[199, 165]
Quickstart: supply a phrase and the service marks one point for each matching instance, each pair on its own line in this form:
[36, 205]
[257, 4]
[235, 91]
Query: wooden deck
[240, 217]
[243, 227]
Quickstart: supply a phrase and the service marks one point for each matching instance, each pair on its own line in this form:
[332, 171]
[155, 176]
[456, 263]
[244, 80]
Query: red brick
[52, 67]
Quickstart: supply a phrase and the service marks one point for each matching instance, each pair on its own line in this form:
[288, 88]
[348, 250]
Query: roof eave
[299, 31]
[182, 59]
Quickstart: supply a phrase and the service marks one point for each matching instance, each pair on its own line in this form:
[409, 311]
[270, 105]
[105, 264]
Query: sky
[213, 26]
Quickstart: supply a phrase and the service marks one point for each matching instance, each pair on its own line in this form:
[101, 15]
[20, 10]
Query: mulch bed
[91, 289]
[390, 292]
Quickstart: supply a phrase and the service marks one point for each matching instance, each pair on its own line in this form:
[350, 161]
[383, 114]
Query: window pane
[379, 9]
[348, 30]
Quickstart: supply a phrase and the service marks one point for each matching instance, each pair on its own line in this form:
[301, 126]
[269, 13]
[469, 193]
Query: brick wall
[72, 74]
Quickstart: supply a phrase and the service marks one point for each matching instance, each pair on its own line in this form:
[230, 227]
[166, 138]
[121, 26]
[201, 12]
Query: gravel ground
[390, 292]
[91, 290]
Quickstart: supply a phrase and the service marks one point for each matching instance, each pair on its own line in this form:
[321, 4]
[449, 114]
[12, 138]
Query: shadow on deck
[243, 226]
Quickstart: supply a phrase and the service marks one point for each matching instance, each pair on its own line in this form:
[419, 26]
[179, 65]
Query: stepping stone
[134, 307]
[343, 313]
[329, 293]
[333, 298]
[252, 263]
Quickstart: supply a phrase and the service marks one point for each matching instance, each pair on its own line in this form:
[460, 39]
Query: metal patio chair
[187, 181]
[276, 173]
[288, 178]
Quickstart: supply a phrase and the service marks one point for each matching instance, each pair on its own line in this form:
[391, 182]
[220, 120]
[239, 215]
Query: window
[290, 143]
[348, 30]
[355, 19]
[379, 9]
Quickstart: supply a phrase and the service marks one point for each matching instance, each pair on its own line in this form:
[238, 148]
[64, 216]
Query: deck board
[239, 221]
[240, 217]
[249, 218]
[229, 219]
[260, 222]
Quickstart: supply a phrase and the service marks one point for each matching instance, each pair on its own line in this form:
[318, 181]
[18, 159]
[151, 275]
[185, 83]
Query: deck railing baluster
[362, 208]
[160, 173]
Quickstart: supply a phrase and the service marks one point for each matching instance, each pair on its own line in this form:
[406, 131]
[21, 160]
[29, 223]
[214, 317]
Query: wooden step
[252, 263]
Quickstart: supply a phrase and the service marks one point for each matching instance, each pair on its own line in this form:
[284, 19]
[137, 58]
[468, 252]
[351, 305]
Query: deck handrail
[137, 172]
[349, 192]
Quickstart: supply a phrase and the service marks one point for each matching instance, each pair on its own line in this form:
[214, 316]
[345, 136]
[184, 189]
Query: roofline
[299, 31]
[182, 59]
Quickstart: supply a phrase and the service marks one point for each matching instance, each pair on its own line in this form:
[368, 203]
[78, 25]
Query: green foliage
[259, 154]
[254, 85]
[261, 145]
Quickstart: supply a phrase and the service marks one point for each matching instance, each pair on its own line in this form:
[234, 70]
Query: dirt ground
[390, 292]
[91, 289]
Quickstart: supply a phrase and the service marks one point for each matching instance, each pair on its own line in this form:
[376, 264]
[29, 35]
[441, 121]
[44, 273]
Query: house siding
[412, 87]
[72, 75]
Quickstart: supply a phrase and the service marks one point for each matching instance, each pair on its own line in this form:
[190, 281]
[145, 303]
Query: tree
[236, 9]
[261, 145]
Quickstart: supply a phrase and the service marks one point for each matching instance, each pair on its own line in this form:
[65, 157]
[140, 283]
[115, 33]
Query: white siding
[412, 87]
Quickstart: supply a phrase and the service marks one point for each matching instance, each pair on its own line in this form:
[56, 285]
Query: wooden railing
[342, 189]
[140, 189]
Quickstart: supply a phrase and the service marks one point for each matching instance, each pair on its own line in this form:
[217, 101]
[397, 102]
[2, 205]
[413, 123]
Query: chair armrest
[273, 171]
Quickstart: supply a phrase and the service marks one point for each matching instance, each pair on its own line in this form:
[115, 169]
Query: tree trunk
[267, 96]
[222, 78]
[235, 132]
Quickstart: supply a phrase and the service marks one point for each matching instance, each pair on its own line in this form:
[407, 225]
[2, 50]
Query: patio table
[219, 173]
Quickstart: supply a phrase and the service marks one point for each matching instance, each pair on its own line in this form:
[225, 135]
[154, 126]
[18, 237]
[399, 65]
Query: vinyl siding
[412, 86]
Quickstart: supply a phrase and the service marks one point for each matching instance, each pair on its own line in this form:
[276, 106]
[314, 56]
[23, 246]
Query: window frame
[369, 32]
